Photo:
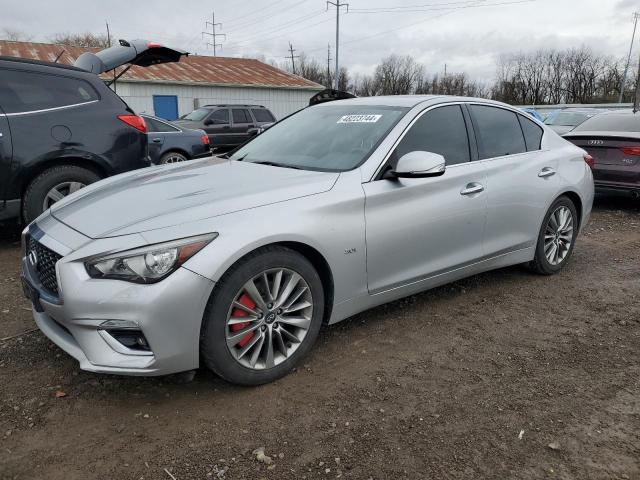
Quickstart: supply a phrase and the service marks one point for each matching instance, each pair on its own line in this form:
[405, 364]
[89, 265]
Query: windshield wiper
[276, 164]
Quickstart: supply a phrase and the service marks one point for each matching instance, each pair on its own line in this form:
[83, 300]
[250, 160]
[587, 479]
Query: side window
[441, 130]
[240, 116]
[532, 133]
[262, 115]
[220, 117]
[499, 131]
[154, 126]
[22, 91]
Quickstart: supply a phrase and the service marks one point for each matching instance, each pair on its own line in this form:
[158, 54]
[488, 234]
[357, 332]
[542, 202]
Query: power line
[338, 5]
[461, 7]
[409, 7]
[213, 33]
[255, 12]
[263, 19]
[293, 57]
[636, 15]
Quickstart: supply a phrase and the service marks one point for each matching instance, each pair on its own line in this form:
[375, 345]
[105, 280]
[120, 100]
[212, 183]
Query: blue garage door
[166, 106]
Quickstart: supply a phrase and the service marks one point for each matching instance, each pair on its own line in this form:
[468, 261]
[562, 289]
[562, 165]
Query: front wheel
[263, 317]
[557, 237]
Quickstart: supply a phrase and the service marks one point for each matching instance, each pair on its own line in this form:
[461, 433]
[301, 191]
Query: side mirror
[254, 131]
[208, 122]
[419, 164]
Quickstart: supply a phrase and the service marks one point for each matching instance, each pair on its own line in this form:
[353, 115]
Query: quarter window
[154, 126]
[443, 131]
[498, 130]
[22, 91]
[262, 115]
[240, 116]
[532, 133]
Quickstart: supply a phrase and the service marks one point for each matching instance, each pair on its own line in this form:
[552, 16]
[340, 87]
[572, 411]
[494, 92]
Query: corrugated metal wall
[280, 101]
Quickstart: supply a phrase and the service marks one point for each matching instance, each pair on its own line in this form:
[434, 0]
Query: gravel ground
[504, 375]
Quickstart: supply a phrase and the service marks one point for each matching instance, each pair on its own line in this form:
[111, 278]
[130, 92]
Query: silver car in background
[239, 260]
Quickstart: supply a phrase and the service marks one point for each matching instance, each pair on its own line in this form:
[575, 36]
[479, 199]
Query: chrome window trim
[52, 109]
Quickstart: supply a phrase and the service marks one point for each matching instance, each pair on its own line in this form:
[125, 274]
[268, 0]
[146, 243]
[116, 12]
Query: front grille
[45, 265]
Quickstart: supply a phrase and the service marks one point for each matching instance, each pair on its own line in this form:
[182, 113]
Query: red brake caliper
[238, 312]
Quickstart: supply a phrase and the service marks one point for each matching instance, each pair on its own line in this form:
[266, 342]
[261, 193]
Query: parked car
[534, 113]
[62, 128]
[613, 141]
[169, 143]
[342, 206]
[227, 125]
[565, 120]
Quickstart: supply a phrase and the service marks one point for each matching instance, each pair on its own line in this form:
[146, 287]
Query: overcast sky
[466, 35]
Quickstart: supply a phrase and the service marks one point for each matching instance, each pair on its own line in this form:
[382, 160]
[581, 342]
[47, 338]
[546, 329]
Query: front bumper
[168, 313]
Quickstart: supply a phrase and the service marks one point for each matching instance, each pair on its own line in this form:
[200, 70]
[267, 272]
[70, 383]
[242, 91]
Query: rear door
[218, 127]
[521, 178]
[6, 154]
[242, 122]
[616, 158]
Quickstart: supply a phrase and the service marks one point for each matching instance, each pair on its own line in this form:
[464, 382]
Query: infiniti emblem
[270, 317]
[33, 258]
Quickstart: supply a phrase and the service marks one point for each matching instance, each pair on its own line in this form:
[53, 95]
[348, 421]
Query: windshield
[567, 119]
[329, 137]
[197, 115]
[612, 122]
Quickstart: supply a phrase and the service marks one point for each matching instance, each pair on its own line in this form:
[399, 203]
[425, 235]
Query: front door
[420, 227]
[166, 106]
[218, 127]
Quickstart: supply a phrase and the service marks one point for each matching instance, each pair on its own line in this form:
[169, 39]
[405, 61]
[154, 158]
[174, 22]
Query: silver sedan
[237, 261]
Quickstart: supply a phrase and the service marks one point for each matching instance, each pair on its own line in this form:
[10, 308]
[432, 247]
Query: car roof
[410, 101]
[41, 63]
[232, 105]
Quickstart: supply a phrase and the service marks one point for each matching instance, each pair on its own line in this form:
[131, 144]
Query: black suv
[228, 125]
[62, 128]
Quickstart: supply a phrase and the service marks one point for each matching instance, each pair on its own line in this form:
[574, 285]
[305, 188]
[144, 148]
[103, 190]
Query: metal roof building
[173, 89]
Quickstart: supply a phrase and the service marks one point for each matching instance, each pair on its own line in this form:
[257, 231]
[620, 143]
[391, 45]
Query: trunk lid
[136, 52]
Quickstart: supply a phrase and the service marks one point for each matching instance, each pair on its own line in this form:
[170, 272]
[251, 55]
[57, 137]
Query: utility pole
[292, 57]
[213, 33]
[636, 98]
[328, 65]
[338, 5]
[636, 15]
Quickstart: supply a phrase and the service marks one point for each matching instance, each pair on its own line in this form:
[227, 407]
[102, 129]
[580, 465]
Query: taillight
[205, 139]
[134, 121]
[153, 45]
[589, 160]
[631, 150]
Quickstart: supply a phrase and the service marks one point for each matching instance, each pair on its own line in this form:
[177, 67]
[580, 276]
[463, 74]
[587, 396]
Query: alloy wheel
[174, 159]
[58, 192]
[269, 318]
[558, 235]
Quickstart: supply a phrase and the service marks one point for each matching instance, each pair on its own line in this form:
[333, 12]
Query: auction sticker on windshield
[359, 119]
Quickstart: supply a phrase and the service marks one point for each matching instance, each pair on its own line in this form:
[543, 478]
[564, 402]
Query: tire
[222, 357]
[65, 178]
[541, 264]
[173, 157]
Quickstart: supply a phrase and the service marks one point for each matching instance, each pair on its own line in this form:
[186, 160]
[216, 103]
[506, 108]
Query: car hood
[164, 196]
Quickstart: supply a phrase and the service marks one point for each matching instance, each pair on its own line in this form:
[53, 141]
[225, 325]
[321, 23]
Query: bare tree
[86, 39]
[14, 35]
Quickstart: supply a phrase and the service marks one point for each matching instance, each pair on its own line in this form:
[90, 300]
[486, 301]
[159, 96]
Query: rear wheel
[53, 185]
[556, 238]
[173, 157]
[263, 317]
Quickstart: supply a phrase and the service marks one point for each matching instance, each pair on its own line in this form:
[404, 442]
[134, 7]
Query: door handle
[471, 188]
[156, 140]
[546, 172]
[226, 127]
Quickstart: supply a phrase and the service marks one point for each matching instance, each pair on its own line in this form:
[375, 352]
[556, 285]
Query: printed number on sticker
[359, 119]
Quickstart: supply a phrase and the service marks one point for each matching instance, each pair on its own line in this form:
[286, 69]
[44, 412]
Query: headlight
[148, 264]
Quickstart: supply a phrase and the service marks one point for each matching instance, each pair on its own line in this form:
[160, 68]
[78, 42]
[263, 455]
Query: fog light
[133, 339]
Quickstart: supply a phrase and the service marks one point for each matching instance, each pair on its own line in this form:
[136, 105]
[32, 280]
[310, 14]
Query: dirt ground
[505, 375]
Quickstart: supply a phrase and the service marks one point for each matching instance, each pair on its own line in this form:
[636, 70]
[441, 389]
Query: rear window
[262, 115]
[611, 122]
[532, 133]
[22, 91]
[499, 132]
[567, 119]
